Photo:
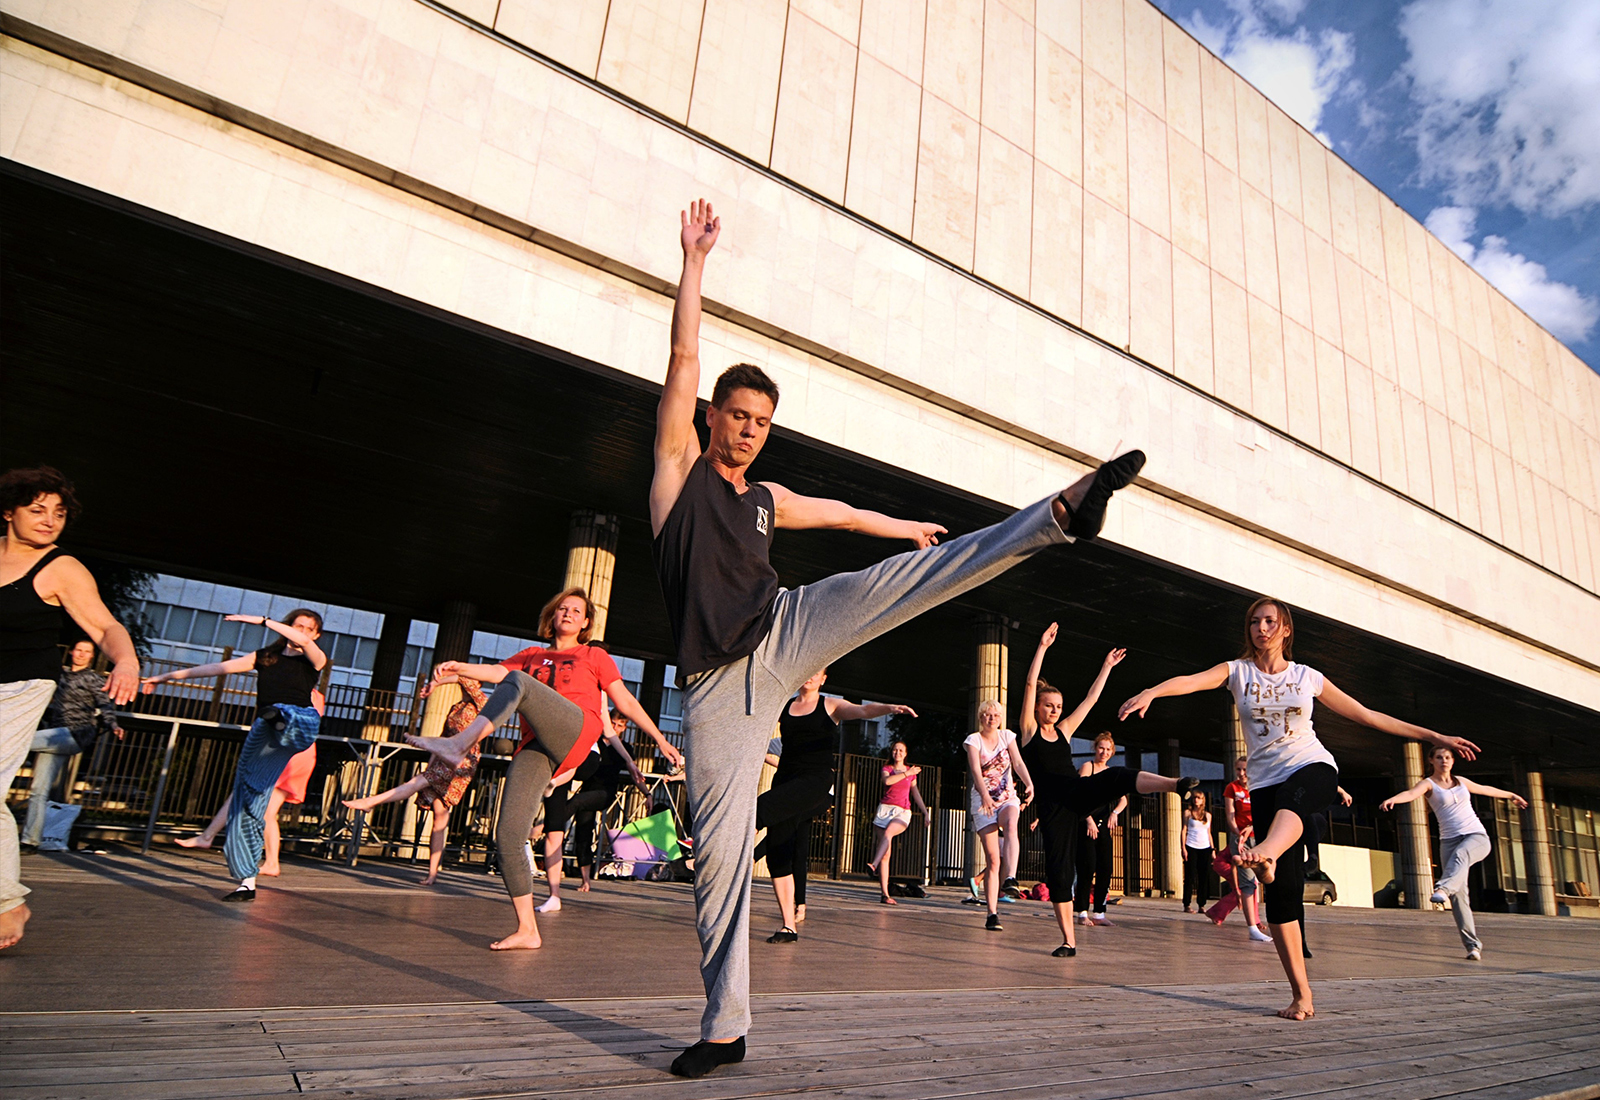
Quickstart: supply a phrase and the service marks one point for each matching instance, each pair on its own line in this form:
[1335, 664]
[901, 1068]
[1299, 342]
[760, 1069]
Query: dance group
[749, 654]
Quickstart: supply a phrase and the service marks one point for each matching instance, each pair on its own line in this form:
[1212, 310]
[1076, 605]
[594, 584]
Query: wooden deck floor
[134, 983]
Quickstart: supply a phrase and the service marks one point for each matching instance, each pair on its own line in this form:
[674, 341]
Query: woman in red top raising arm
[556, 693]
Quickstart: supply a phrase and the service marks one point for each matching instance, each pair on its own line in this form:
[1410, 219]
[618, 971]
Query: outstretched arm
[1346, 707]
[1213, 677]
[201, 672]
[842, 711]
[631, 709]
[1072, 721]
[677, 445]
[75, 587]
[1493, 792]
[1411, 794]
[800, 513]
[1027, 724]
[300, 638]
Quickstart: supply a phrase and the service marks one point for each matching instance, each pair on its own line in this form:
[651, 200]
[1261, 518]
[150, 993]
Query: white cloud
[1509, 98]
[1567, 313]
[1298, 71]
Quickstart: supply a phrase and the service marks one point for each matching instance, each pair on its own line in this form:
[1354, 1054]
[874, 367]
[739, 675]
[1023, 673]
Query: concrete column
[452, 643]
[1537, 857]
[1236, 744]
[591, 561]
[379, 720]
[1132, 826]
[1411, 824]
[1169, 835]
[991, 657]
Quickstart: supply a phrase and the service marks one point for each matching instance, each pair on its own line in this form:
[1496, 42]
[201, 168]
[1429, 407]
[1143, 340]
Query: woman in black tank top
[287, 671]
[802, 789]
[1064, 797]
[37, 583]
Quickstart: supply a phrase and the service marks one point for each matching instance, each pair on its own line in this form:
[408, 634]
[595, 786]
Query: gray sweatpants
[1457, 854]
[728, 714]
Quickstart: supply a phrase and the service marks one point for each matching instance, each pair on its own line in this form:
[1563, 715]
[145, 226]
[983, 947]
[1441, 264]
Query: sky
[1481, 118]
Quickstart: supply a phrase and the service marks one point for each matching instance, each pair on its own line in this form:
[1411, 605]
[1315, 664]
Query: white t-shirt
[1275, 712]
[1453, 808]
[996, 768]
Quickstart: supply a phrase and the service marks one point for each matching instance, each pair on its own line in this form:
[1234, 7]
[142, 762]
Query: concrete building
[367, 298]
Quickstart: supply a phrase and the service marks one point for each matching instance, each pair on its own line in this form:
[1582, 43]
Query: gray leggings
[556, 723]
[728, 715]
[1457, 854]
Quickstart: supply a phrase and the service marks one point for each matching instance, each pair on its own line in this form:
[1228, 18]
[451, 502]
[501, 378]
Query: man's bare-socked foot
[200, 841]
[11, 922]
[1298, 1010]
[519, 941]
[452, 750]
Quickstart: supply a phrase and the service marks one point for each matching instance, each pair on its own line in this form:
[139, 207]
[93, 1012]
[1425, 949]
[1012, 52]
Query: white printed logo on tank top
[1275, 713]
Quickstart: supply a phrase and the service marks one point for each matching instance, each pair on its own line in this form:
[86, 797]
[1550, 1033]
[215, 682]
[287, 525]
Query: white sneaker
[1259, 936]
[1439, 897]
[551, 905]
[1475, 955]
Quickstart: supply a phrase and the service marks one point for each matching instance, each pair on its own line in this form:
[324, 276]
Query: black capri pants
[1064, 801]
[786, 812]
[1307, 793]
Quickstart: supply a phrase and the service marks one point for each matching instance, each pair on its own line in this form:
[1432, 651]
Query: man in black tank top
[744, 644]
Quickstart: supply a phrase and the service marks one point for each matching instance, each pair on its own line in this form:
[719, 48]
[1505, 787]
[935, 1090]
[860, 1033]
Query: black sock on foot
[1086, 520]
[1065, 951]
[1187, 783]
[704, 1057]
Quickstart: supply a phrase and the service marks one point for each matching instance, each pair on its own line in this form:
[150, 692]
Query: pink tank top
[897, 794]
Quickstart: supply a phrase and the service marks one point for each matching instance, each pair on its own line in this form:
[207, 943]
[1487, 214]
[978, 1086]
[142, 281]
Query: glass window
[344, 650]
[178, 624]
[228, 634]
[366, 654]
[253, 637]
[155, 616]
[205, 627]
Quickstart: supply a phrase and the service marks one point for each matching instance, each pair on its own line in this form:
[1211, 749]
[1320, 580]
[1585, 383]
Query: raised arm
[801, 513]
[1027, 724]
[75, 587]
[631, 709]
[1071, 722]
[1213, 677]
[677, 444]
[1346, 707]
[202, 672]
[842, 711]
[449, 672]
[1492, 792]
[300, 638]
[1411, 794]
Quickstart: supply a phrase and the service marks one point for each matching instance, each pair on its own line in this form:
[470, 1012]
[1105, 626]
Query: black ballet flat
[784, 935]
[243, 893]
[993, 923]
[1187, 783]
[704, 1057]
[1086, 520]
[1065, 951]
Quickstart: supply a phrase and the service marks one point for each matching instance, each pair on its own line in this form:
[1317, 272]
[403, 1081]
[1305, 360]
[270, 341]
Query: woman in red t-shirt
[555, 690]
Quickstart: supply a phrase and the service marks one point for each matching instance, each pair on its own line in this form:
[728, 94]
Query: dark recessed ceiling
[232, 415]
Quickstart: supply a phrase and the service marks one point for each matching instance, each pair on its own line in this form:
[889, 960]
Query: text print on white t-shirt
[1279, 706]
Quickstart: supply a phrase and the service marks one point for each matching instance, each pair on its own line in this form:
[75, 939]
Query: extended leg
[207, 836]
[21, 705]
[393, 794]
[438, 836]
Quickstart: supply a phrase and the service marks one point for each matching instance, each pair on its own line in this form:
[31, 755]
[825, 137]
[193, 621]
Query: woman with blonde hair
[1065, 796]
[1293, 777]
[555, 690]
[995, 764]
[1198, 852]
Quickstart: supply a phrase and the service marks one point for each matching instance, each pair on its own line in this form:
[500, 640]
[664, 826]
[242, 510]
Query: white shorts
[888, 815]
[981, 820]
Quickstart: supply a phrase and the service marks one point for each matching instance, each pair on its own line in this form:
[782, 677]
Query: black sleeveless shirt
[284, 678]
[29, 629]
[809, 742]
[711, 557]
[1050, 766]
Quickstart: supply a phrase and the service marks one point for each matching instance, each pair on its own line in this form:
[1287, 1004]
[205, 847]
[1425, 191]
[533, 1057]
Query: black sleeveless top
[711, 557]
[1050, 766]
[809, 742]
[281, 678]
[29, 629]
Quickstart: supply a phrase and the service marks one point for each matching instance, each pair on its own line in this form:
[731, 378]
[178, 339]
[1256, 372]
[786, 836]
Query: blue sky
[1479, 117]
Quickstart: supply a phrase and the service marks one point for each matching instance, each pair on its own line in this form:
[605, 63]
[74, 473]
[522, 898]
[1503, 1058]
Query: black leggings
[1094, 868]
[786, 812]
[1064, 801]
[557, 723]
[586, 821]
[1196, 882]
[1306, 793]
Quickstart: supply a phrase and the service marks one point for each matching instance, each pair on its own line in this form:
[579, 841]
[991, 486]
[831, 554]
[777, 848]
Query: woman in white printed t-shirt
[1292, 776]
[996, 764]
[1463, 840]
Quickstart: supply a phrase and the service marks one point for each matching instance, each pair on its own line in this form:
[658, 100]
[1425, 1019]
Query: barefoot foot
[11, 922]
[1298, 1010]
[583, 887]
[1265, 867]
[799, 912]
[272, 870]
[360, 803]
[519, 941]
[200, 841]
[449, 749]
[429, 881]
